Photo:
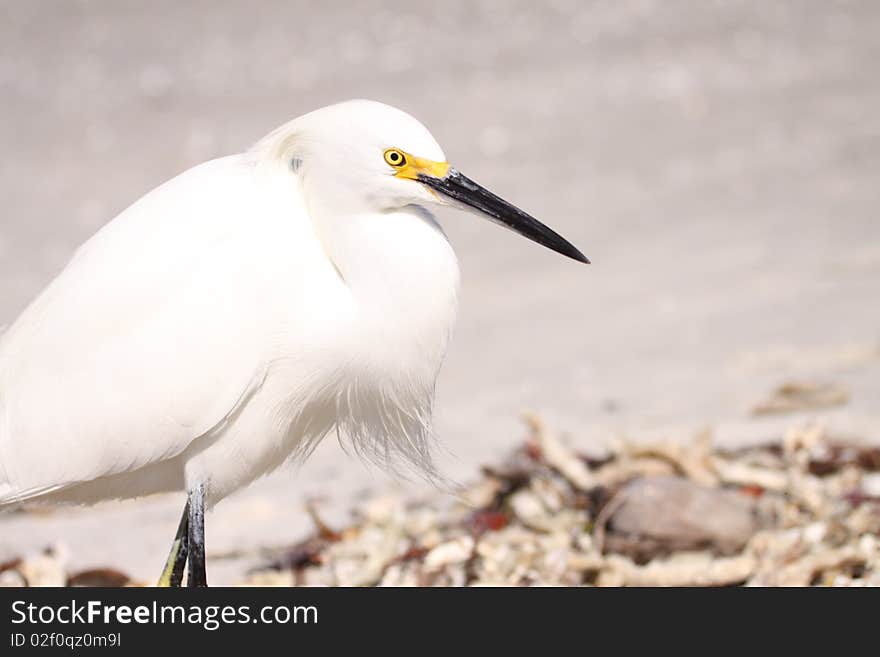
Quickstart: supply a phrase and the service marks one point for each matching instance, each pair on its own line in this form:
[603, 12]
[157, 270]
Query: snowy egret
[235, 315]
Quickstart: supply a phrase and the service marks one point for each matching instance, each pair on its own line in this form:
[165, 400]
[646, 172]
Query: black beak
[465, 191]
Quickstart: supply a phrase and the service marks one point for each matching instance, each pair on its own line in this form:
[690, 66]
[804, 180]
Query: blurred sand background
[718, 161]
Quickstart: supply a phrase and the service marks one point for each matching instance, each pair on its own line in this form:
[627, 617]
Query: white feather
[231, 318]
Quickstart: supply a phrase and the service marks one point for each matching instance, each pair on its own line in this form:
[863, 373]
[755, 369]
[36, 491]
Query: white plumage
[235, 315]
[188, 337]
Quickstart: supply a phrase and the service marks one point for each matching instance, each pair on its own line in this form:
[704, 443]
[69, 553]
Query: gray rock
[659, 515]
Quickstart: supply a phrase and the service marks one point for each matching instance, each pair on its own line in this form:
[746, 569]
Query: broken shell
[12, 578]
[458, 550]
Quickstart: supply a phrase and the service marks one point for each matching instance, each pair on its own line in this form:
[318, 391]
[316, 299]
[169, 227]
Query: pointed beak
[465, 192]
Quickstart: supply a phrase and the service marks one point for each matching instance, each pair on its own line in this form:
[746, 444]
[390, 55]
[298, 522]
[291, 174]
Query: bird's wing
[152, 335]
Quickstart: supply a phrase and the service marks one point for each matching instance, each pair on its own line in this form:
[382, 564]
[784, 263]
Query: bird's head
[368, 156]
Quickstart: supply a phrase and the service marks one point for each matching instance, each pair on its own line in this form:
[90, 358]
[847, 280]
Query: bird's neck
[401, 271]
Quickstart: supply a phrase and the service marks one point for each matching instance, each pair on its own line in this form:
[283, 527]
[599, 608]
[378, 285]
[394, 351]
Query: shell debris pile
[801, 511]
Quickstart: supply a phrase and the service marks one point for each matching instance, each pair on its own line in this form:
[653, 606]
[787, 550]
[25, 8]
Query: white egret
[236, 314]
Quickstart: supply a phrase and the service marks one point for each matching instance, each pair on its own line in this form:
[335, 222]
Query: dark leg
[172, 574]
[196, 537]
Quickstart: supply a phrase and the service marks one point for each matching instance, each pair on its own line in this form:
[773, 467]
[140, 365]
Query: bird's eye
[395, 158]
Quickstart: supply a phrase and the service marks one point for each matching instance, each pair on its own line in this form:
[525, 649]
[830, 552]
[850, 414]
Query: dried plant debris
[49, 568]
[99, 577]
[796, 396]
[803, 510]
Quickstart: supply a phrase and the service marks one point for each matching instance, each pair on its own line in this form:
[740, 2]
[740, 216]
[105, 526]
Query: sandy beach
[718, 163]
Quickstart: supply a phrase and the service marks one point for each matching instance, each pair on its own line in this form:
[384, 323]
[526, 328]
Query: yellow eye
[395, 158]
